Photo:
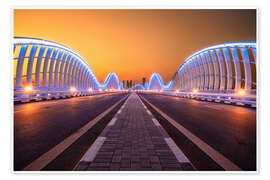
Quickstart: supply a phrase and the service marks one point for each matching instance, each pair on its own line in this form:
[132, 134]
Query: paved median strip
[211, 152]
[50, 155]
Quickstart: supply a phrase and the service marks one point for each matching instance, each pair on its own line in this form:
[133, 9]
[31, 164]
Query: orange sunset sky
[136, 43]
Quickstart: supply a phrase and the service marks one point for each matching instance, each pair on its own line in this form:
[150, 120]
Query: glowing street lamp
[90, 89]
[28, 89]
[177, 91]
[100, 90]
[194, 91]
[241, 92]
[72, 89]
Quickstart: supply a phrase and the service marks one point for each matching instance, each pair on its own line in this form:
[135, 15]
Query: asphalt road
[231, 130]
[40, 126]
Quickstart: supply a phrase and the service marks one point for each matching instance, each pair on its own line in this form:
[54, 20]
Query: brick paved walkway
[132, 141]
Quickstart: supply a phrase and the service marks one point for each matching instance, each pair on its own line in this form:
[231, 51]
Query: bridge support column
[51, 68]
[230, 77]
[58, 61]
[78, 76]
[67, 64]
[73, 72]
[216, 70]
[67, 82]
[202, 72]
[45, 69]
[38, 66]
[197, 69]
[186, 77]
[211, 71]
[248, 73]
[30, 65]
[206, 77]
[190, 76]
[222, 68]
[19, 69]
[237, 68]
[194, 75]
[181, 74]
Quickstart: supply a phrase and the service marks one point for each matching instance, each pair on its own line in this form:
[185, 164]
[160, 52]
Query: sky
[136, 43]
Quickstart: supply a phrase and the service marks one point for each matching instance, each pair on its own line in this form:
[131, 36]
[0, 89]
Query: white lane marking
[112, 122]
[149, 112]
[176, 151]
[91, 153]
[155, 122]
[211, 152]
[119, 111]
[50, 155]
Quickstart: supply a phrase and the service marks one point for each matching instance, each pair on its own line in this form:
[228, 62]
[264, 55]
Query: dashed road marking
[155, 122]
[176, 151]
[90, 155]
[112, 122]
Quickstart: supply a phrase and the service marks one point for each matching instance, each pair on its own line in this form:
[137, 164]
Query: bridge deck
[134, 140]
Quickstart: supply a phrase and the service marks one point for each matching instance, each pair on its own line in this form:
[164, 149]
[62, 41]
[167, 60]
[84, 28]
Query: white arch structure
[224, 72]
[223, 68]
[48, 68]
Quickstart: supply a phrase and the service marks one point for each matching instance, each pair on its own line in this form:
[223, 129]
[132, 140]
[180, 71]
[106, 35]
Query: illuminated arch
[221, 68]
[156, 83]
[48, 66]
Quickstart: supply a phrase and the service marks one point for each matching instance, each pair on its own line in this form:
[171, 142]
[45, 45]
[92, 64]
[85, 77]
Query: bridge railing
[48, 95]
[229, 98]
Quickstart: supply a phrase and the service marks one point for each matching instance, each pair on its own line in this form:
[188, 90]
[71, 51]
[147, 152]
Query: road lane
[231, 130]
[40, 126]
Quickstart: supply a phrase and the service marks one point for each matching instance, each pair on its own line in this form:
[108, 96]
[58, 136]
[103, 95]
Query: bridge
[65, 119]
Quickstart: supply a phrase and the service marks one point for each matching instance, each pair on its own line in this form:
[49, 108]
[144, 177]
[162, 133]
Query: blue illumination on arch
[156, 83]
[68, 70]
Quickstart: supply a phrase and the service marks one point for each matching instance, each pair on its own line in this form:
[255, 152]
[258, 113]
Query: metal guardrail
[22, 96]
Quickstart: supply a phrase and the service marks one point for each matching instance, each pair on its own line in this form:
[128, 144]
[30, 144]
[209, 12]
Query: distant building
[123, 83]
[127, 85]
[143, 81]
